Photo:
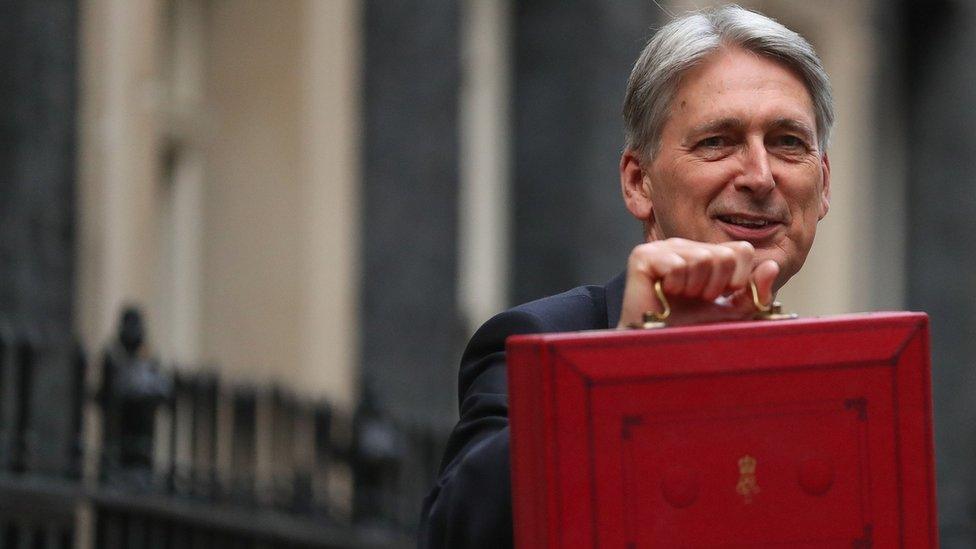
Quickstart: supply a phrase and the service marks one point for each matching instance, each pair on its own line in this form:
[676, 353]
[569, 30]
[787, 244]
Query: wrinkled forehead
[734, 83]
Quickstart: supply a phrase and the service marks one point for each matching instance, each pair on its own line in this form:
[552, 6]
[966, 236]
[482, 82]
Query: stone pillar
[410, 339]
[940, 81]
[38, 94]
[37, 125]
[571, 67]
[281, 203]
[331, 197]
[484, 207]
[119, 168]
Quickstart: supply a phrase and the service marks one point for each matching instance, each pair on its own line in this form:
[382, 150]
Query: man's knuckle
[640, 253]
[725, 255]
[746, 246]
[677, 264]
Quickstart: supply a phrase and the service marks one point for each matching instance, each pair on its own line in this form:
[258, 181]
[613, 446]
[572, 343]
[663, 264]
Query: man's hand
[703, 282]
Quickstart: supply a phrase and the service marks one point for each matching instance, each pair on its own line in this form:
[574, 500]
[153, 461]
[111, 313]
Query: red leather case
[799, 433]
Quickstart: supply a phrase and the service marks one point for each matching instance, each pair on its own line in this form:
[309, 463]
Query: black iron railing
[227, 465]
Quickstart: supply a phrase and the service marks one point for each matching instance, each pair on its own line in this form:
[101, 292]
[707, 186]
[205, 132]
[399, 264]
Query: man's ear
[825, 192]
[635, 186]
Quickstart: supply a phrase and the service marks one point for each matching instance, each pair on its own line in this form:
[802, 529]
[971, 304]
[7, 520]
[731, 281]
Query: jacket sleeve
[470, 506]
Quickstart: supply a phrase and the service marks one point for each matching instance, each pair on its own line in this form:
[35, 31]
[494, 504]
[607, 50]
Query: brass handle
[653, 319]
[773, 311]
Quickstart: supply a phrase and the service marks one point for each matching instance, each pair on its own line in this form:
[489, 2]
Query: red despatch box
[799, 433]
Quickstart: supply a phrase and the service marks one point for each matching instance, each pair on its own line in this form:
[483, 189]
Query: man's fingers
[744, 254]
[724, 262]
[673, 274]
[652, 262]
[765, 276]
[700, 267]
[696, 274]
[649, 263]
[695, 269]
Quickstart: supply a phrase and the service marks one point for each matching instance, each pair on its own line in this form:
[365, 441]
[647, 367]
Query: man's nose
[756, 176]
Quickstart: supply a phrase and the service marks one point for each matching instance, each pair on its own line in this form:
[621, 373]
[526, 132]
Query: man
[728, 115]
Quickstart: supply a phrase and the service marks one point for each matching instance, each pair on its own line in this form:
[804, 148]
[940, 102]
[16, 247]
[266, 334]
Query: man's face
[738, 160]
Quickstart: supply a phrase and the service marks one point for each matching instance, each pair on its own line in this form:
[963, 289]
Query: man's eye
[713, 142]
[790, 142]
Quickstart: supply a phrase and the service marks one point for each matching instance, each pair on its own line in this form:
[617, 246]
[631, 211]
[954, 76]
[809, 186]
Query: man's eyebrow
[720, 125]
[717, 125]
[792, 124]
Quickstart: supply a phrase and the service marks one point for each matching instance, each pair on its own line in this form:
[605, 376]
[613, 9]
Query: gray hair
[686, 41]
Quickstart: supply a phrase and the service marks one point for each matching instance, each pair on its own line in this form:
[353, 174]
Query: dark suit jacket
[471, 504]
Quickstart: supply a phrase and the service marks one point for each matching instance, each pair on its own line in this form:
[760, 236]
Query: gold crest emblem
[747, 486]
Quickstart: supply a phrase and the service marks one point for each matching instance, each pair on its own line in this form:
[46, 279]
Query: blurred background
[243, 242]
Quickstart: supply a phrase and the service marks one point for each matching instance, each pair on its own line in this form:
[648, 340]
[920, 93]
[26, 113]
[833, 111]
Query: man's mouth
[747, 227]
[748, 222]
